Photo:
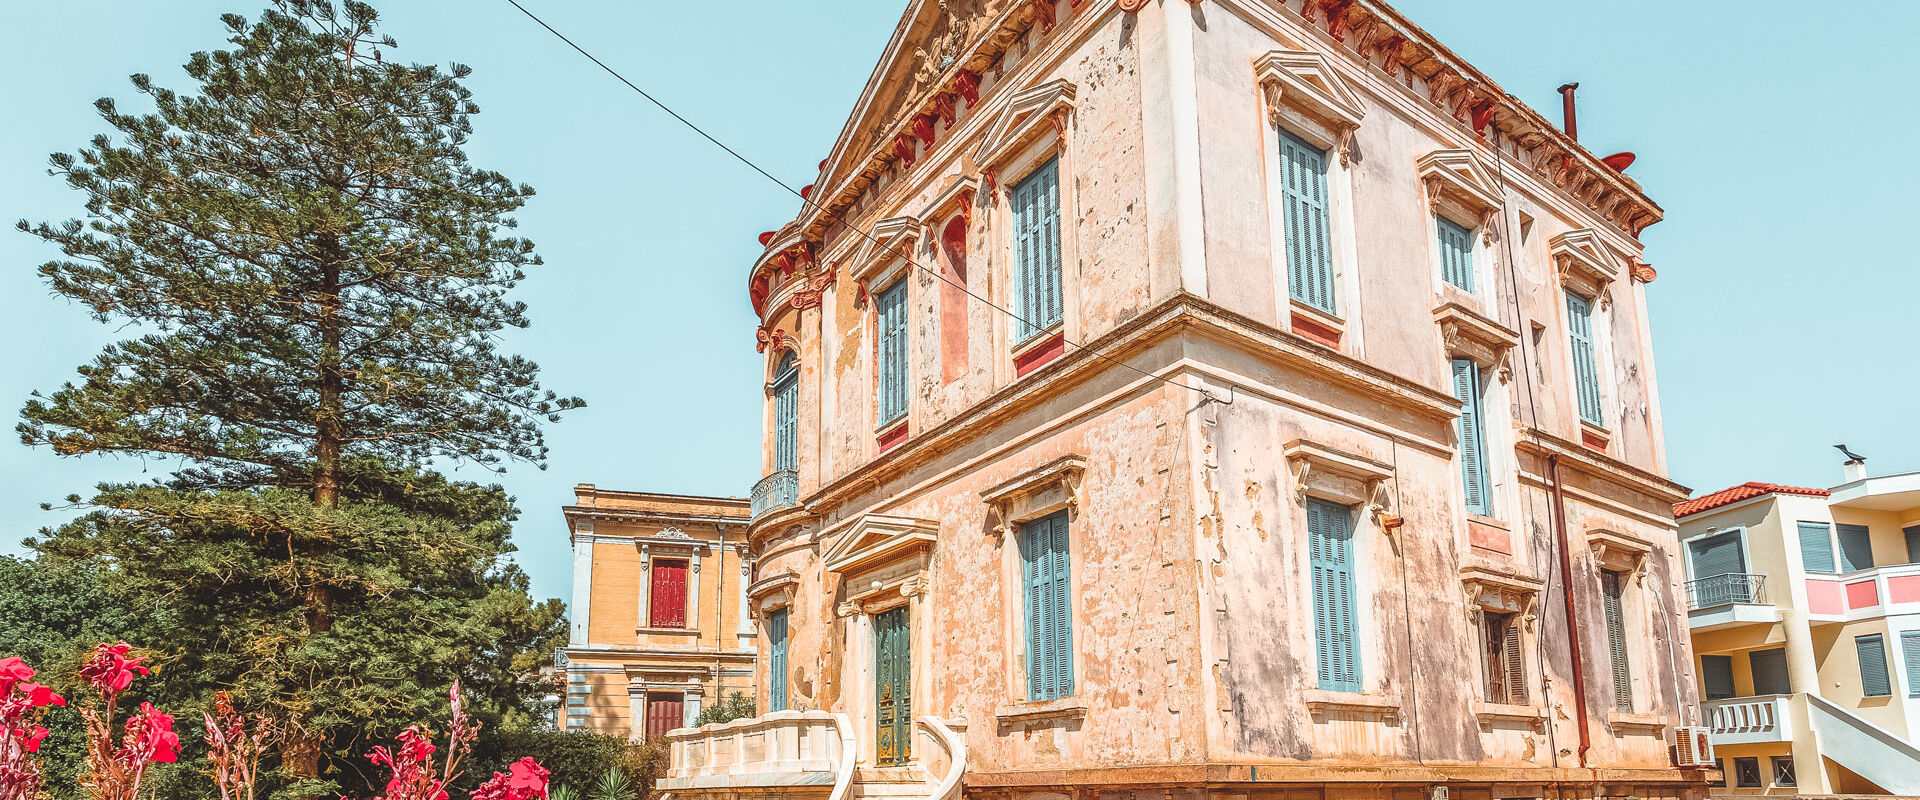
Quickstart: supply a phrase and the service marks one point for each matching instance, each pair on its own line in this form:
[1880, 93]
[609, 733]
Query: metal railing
[776, 491]
[1726, 590]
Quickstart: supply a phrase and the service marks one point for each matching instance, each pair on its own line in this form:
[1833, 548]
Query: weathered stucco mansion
[1227, 398]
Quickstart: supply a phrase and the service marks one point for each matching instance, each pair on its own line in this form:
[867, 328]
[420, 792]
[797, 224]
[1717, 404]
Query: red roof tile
[1727, 497]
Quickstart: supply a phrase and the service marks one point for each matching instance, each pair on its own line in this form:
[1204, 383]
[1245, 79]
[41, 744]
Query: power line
[824, 210]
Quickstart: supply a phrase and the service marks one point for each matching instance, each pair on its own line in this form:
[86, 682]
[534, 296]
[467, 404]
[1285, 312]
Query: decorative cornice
[875, 539]
[1063, 473]
[1458, 175]
[1584, 262]
[1465, 333]
[1304, 81]
[1536, 442]
[1020, 122]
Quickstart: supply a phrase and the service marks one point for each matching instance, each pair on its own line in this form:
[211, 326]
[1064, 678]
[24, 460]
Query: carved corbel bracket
[1585, 263]
[1620, 552]
[1465, 333]
[1322, 471]
[773, 338]
[1035, 493]
[1305, 82]
[1501, 591]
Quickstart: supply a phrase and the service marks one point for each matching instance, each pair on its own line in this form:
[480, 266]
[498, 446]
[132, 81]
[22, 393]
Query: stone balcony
[1749, 720]
[809, 754]
[1865, 594]
[774, 492]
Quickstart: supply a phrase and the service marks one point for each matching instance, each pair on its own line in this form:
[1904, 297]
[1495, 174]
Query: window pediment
[1036, 492]
[1466, 333]
[1305, 81]
[890, 245]
[1458, 176]
[1023, 120]
[1619, 552]
[1584, 263]
[876, 540]
[1499, 590]
[1322, 471]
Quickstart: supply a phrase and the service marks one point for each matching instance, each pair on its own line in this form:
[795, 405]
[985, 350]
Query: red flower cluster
[526, 780]
[111, 670]
[413, 776]
[150, 737]
[22, 704]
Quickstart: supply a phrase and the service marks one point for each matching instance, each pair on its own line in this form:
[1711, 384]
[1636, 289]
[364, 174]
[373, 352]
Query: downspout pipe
[1573, 617]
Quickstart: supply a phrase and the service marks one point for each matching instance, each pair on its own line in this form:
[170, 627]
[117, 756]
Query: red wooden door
[665, 711]
[667, 607]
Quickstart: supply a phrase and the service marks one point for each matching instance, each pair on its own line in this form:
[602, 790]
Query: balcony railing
[1745, 720]
[1726, 590]
[777, 491]
[795, 752]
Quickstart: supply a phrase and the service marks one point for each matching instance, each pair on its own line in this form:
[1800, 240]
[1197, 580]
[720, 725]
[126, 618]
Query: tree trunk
[303, 750]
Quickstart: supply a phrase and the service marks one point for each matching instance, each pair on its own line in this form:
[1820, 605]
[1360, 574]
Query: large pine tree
[319, 278]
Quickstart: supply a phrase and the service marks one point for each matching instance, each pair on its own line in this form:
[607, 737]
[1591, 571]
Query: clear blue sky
[1780, 141]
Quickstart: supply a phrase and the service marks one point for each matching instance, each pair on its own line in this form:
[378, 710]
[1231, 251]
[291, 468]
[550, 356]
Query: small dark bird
[1851, 456]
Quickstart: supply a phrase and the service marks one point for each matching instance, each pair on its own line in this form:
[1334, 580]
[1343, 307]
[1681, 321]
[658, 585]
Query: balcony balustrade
[1728, 589]
[1748, 720]
[794, 750]
[774, 492]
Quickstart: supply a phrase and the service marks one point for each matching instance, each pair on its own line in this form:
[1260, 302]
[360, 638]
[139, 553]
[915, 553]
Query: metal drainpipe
[1573, 618]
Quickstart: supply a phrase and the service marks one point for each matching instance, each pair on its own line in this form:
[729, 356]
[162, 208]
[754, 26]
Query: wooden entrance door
[893, 668]
[665, 711]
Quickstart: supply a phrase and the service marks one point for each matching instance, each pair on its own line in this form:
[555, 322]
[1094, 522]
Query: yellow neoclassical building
[657, 629]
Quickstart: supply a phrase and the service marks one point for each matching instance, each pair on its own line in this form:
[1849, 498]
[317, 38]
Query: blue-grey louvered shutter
[1856, 547]
[1874, 679]
[892, 304]
[1456, 253]
[1330, 556]
[1717, 555]
[1769, 668]
[1614, 607]
[1913, 544]
[786, 412]
[1304, 213]
[777, 664]
[1816, 547]
[1586, 370]
[1716, 673]
[1036, 248]
[1046, 577]
[1472, 428]
[1910, 653]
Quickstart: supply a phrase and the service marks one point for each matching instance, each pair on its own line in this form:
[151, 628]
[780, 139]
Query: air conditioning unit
[1692, 747]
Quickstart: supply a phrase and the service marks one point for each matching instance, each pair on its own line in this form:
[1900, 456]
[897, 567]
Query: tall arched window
[786, 411]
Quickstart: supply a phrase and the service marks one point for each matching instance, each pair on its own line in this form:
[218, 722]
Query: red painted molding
[1306, 326]
[923, 127]
[1593, 441]
[1033, 357]
[893, 437]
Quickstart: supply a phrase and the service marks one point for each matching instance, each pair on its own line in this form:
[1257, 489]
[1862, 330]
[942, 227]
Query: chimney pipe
[1571, 126]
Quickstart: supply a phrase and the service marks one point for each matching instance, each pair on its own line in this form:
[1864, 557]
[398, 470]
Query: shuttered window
[892, 346]
[1769, 669]
[667, 593]
[1717, 555]
[1472, 430]
[786, 412]
[1586, 370]
[1303, 208]
[1910, 653]
[1913, 544]
[777, 660]
[1875, 681]
[1716, 675]
[1856, 547]
[1330, 556]
[1816, 547]
[665, 711]
[1046, 584]
[1505, 662]
[1616, 616]
[1456, 253]
[1036, 249]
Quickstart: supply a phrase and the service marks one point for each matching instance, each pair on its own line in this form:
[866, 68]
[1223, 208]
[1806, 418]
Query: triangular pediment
[1584, 260]
[1459, 175]
[876, 539]
[1025, 113]
[890, 239]
[1306, 79]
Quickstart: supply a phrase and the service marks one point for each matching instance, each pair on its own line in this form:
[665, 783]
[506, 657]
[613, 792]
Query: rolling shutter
[1047, 574]
[1718, 555]
[892, 309]
[777, 662]
[1472, 430]
[1456, 253]
[1586, 371]
[1910, 653]
[1856, 547]
[1330, 555]
[1913, 544]
[1816, 547]
[1874, 678]
[1716, 673]
[1036, 246]
[1303, 201]
[1617, 640]
[1769, 669]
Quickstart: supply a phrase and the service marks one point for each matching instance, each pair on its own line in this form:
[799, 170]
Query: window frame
[1036, 316]
[1831, 550]
[655, 574]
[1614, 619]
[1442, 226]
[1504, 663]
[1330, 673]
[1783, 766]
[1297, 278]
[1587, 315]
[1050, 673]
[1910, 659]
[1860, 648]
[1740, 781]
[1474, 457]
[1706, 682]
[901, 354]
[779, 631]
[784, 392]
